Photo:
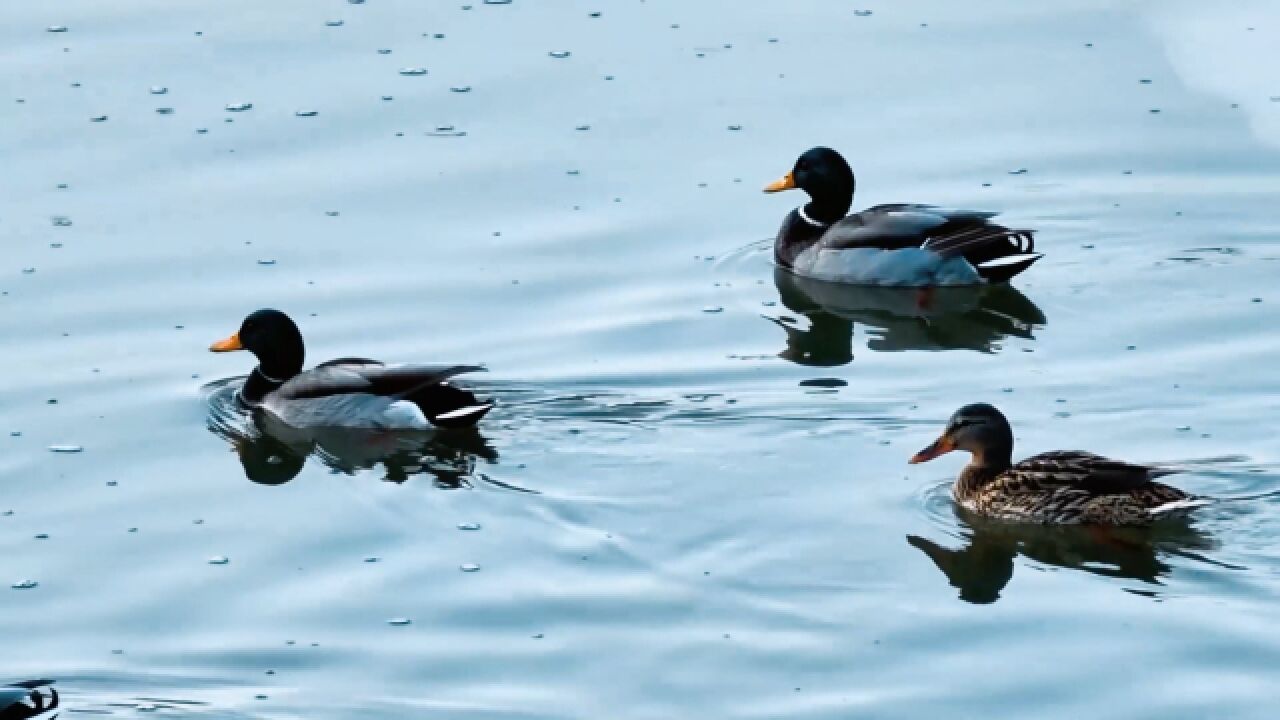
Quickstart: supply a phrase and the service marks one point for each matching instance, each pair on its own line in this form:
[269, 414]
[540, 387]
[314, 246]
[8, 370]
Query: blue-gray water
[674, 520]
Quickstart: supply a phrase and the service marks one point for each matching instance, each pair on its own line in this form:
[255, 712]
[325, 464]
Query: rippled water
[692, 499]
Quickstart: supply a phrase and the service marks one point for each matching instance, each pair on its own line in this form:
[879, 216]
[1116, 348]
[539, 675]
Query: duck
[348, 392]
[1065, 487]
[29, 700]
[900, 244]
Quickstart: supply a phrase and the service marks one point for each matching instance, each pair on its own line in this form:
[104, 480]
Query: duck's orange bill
[228, 345]
[786, 182]
[941, 446]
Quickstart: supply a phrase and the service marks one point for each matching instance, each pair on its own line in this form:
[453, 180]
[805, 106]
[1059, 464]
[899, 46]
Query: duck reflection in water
[273, 453]
[982, 568]
[950, 318]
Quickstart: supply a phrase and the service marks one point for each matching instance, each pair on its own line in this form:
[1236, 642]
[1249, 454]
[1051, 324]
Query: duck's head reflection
[982, 568]
[957, 318]
[273, 453]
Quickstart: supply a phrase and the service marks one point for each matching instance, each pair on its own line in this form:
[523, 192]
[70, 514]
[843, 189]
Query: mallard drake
[347, 392]
[900, 244]
[1066, 486]
[29, 700]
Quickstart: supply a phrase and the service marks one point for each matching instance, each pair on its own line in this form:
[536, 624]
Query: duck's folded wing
[334, 378]
[886, 227]
[1085, 471]
[995, 251]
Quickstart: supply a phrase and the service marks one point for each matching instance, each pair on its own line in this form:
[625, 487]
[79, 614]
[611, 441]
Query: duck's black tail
[29, 700]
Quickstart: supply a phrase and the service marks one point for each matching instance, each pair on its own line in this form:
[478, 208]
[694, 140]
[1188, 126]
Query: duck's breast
[876, 266]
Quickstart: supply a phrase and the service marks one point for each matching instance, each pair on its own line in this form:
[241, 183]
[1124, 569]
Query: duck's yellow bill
[941, 446]
[230, 344]
[786, 182]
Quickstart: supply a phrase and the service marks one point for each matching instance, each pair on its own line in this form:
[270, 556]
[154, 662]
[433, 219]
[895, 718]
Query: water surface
[693, 498]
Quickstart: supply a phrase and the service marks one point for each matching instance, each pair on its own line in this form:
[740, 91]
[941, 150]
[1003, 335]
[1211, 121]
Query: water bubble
[219, 560]
[469, 526]
[60, 221]
[66, 448]
[98, 118]
[24, 584]
[559, 54]
[469, 567]
[307, 113]
[413, 71]
[159, 90]
[239, 107]
[399, 621]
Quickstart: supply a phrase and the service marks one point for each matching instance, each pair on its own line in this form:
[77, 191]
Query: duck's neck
[272, 371]
[982, 469]
[830, 201]
[826, 211]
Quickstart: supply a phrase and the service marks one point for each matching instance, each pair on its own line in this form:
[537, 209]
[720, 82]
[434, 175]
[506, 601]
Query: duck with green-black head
[347, 392]
[902, 244]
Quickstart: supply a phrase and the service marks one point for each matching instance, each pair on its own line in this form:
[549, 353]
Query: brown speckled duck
[901, 244]
[1062, 487]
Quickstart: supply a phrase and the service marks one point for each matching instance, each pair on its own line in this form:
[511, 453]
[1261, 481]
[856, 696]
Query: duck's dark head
[274, 339]
[828, 180]
[979, 429]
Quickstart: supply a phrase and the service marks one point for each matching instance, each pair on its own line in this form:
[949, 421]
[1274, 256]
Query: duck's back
[1074, 486]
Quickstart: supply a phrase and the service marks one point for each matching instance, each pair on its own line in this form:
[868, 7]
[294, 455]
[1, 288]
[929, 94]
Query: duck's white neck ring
[267, 377]
[805, 217]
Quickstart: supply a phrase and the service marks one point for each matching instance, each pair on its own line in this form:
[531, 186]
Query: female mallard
[348, 392]
[901, 244]
[1067, 486]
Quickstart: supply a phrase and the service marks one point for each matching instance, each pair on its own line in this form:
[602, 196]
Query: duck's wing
[995, 251]
[359, 375]
[1085, 471]
[885, 227]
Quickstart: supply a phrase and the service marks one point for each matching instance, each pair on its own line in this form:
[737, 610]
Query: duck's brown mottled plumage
[1062, 487]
